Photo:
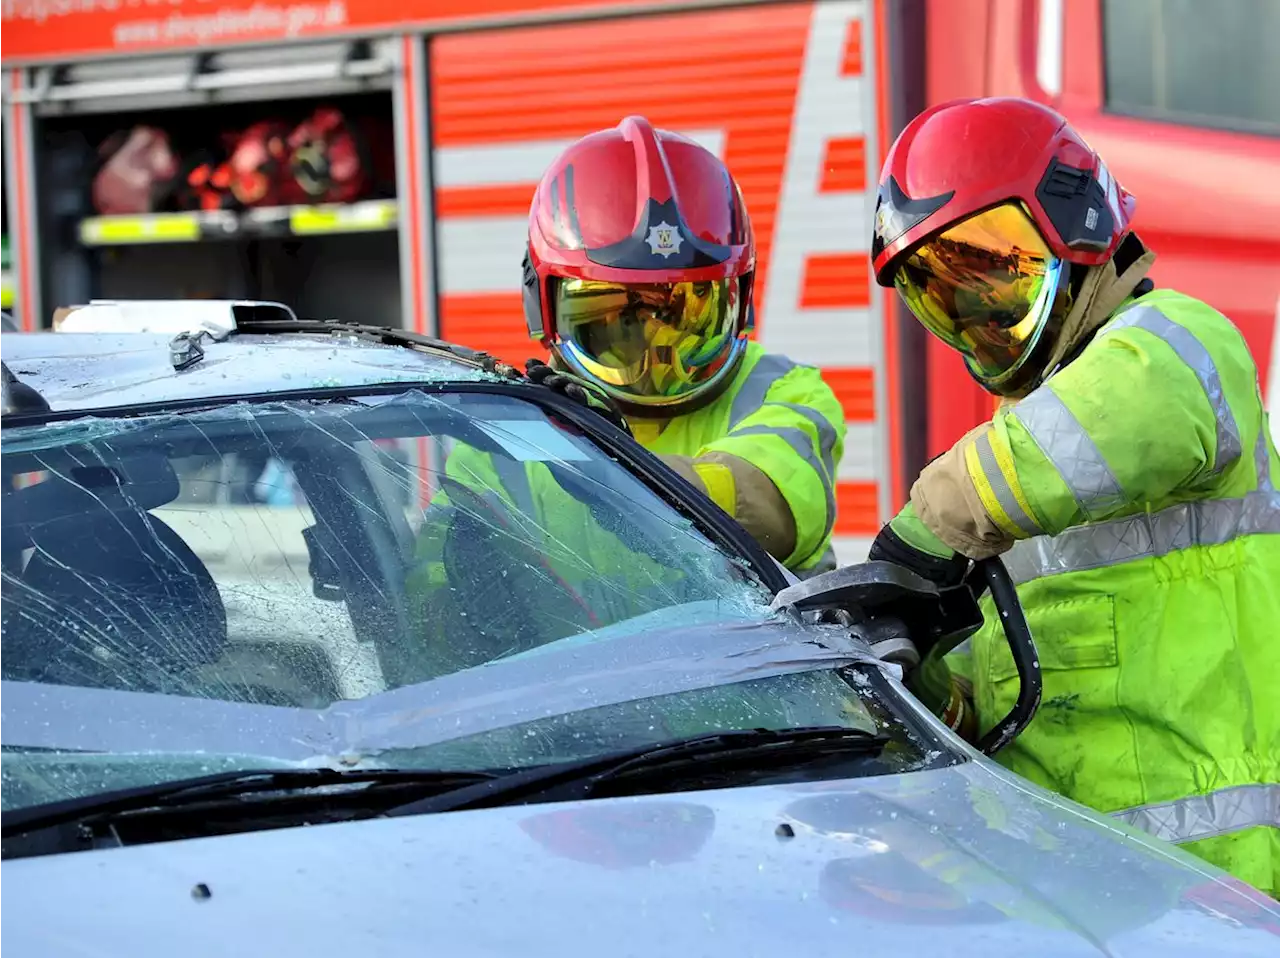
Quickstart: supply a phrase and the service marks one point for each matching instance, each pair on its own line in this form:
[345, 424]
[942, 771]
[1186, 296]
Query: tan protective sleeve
[684, 466]
[947, 502]
[758, 505]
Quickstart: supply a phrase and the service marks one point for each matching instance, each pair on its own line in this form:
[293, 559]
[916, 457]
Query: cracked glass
[343, 582]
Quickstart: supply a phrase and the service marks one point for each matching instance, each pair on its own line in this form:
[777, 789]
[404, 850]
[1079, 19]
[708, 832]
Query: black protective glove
[947, 696]
[579, 390]
[889, 547]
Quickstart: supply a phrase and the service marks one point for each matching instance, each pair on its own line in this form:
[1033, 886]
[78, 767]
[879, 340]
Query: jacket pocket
[1077, 633]
[1079, 743]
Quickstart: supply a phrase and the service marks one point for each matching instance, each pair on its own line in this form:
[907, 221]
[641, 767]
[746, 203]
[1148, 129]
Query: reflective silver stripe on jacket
[1069, 447]
[1204, 522]
[1206, 816]
[1072, 451]
[1000, 486]
[1196, 357]
[798, 440]
[752, 398]
[761, 378]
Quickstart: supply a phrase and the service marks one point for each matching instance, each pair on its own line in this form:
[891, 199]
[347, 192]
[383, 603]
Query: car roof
[87, 371]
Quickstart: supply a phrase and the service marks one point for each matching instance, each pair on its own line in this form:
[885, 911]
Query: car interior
[101, 589]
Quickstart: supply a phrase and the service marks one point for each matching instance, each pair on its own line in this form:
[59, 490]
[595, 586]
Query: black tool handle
[1025, 658]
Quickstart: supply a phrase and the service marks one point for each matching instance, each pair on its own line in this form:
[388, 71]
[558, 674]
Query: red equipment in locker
[327, 158]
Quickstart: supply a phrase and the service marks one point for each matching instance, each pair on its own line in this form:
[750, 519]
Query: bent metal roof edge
[101, 370]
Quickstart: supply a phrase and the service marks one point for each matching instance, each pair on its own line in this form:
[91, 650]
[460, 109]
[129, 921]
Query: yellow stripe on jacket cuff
[718, 479]
[1003, 504]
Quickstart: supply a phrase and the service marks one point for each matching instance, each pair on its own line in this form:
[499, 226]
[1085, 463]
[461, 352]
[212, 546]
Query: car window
[247, 522]
[1195, 62]
[300, 555]
[438, 533]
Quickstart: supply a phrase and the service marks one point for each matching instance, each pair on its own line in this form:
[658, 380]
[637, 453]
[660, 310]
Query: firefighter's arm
[1126, 422]
[746, 494]
[776, 467]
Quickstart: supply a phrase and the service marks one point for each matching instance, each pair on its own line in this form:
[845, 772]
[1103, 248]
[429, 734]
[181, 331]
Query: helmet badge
[664, 239]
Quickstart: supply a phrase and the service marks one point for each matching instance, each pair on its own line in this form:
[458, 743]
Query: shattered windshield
[300, 579]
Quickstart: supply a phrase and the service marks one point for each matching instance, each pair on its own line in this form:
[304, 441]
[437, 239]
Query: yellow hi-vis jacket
[1138, 487]
[781, 418]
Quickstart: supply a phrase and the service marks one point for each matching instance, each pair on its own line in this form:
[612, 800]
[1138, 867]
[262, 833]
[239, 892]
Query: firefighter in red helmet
[1126, 478]
[639, 278]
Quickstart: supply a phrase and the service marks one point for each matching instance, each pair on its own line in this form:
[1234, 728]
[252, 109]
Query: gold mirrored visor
[985, 287]
[657, 340]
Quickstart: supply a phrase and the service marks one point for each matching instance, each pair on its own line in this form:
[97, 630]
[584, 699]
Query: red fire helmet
[984, 208]
[640, 267]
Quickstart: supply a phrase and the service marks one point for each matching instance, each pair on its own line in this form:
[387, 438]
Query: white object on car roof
[217, 317]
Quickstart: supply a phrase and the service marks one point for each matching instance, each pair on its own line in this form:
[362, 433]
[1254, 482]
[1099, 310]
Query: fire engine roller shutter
[779, 91]
[194, 79]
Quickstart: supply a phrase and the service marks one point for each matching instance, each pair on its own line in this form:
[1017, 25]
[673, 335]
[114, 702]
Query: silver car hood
[959, 861]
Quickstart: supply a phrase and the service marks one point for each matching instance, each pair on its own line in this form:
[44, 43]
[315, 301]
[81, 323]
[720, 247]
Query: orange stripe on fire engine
[855, 388]
[851, 62]
[836, 281]
[493, 322]
[504, 199]
[844, 165]
[857, 509]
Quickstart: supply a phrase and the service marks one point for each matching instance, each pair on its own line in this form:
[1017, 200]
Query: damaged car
[342, 639]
